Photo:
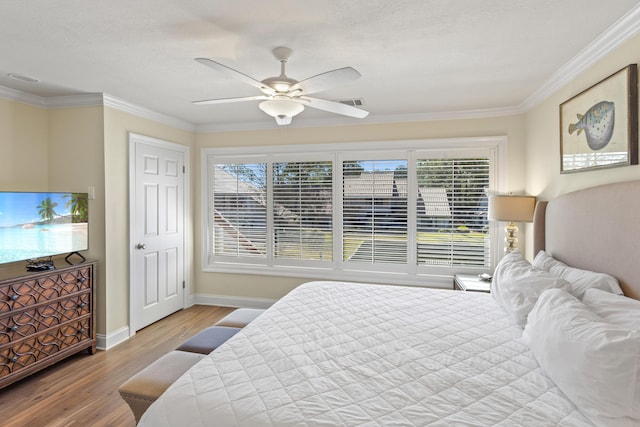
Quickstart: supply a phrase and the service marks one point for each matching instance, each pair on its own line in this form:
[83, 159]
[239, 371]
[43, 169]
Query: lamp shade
[281, 107]
[511, 208]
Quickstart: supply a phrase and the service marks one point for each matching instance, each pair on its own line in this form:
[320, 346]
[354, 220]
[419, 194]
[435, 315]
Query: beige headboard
[595, 229]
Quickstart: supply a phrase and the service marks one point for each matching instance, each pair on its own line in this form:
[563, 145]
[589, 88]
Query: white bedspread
[342, 354]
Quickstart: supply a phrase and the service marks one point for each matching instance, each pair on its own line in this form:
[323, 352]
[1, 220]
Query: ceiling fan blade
[228, 100]
[333, 107]
[235, 74]
[326, 80]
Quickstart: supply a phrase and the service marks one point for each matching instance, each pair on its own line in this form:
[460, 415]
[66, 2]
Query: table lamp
[511, 209]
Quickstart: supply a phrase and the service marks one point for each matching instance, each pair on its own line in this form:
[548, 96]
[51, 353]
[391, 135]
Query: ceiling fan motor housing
[280, 84]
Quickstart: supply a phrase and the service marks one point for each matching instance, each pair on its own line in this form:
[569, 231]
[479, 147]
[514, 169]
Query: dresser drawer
[22, 354]
[22, 323]
[34, 290]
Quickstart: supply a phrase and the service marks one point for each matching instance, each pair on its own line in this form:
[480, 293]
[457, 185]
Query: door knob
[141, 246]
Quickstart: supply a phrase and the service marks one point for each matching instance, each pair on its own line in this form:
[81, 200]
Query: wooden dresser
[44, 318]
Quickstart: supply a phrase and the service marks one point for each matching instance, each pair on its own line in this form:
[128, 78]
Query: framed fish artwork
[599, 126]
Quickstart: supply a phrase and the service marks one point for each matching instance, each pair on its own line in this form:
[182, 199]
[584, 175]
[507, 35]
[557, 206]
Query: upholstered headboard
[595, 229]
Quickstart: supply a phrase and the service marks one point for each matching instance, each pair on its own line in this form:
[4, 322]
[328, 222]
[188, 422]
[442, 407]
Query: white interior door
[158, 229]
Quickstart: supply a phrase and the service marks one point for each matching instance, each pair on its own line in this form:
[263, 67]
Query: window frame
[495, 147]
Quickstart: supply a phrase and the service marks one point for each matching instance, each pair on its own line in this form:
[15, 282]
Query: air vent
[352, 102]
[23, 78]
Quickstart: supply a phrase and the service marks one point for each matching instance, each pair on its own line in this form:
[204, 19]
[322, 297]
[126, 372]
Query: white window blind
[239, 211]
[411, 212]
[374, 206]
[303, 210]
[451, 212]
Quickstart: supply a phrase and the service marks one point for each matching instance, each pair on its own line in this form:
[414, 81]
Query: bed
[333, 353]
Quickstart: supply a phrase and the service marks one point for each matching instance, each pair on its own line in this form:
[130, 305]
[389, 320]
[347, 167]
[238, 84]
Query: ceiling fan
[283, 97]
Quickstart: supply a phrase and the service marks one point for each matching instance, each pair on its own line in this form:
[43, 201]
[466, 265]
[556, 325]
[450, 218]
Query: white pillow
[616, 309]
[595, 363]
[580, 280]
[516, 285]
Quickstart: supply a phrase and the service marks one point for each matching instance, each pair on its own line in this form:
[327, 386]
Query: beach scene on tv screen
[36, 225]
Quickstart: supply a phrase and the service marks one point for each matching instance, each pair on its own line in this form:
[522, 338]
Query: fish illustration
[597, 124]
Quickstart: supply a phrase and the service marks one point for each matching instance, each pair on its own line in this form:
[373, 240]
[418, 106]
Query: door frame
[134, 139]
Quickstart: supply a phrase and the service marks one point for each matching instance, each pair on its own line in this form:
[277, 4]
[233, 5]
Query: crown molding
[136, 110]
[75, 101]
[450, 115]
[23, 97]
[300, 123]
[94, 100]
[621, 31]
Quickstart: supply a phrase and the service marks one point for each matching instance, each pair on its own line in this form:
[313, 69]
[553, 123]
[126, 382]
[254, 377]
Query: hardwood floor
[83, 390]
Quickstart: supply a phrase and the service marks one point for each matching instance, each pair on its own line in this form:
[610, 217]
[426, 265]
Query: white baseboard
[227, 301]
[105, 342]
[191, 300]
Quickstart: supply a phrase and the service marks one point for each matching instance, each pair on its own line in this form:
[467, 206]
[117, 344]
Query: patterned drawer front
[39, 347]
[31, 291]
[74, 281]
[31, 321]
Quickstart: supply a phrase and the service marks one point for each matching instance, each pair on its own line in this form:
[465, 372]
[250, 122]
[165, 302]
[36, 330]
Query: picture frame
[599, 126]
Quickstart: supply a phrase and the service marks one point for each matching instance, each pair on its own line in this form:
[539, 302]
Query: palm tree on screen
[78, 204]
[46, 209]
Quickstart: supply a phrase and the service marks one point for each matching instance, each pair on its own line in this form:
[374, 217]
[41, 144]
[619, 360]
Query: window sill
[441, 281]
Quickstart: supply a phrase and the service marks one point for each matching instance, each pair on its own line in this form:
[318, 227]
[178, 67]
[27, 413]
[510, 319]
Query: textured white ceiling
[416, 57]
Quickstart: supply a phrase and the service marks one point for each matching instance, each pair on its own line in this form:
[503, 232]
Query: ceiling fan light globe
[281, 107]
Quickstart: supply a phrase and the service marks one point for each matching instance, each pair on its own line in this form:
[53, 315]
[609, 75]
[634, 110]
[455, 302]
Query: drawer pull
[82, 305]
[14, 328]
[14, 359]
[82, 279]
[81, 331]
[14, 297]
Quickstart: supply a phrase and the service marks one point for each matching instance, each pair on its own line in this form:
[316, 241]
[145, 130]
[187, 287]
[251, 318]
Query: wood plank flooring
[83, 390]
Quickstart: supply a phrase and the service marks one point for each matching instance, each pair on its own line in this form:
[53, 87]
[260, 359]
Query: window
[352, 211]
[374, 211]
[239, 213]
[451, 212]
[302, 210]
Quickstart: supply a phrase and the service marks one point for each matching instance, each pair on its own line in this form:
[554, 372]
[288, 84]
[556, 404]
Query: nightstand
[470, 283]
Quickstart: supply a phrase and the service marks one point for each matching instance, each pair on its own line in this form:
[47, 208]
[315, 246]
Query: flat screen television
[37, 225]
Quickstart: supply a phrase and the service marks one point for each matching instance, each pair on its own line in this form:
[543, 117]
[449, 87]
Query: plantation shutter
[302, 210]
[239, 210]
[374, 219]
[451, 215]
[403, 212]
